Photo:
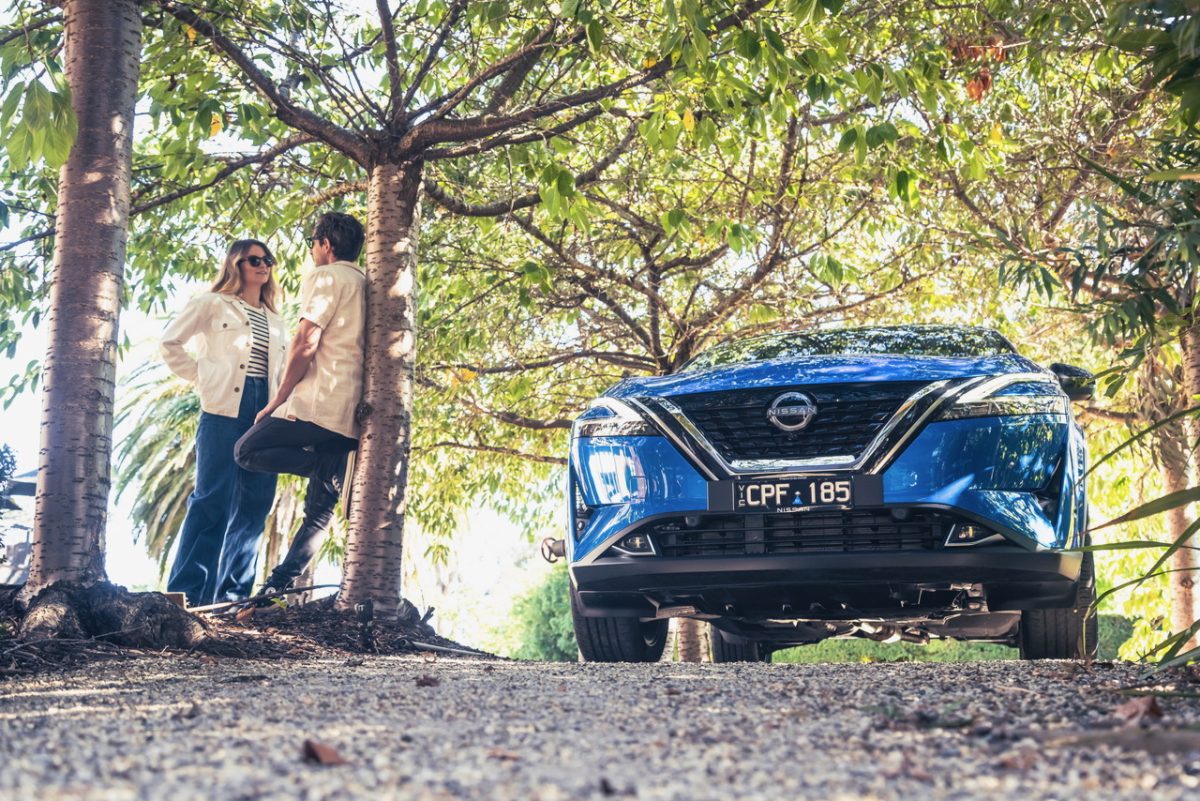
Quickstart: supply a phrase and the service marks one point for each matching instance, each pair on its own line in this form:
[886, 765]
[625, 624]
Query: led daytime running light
[622, 421]
[1006, 406]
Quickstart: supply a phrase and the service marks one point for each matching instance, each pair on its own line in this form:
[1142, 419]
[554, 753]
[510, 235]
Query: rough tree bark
[103, 45]
[1189, 343]
[372, 567]
[690, 637]
[1172, 449]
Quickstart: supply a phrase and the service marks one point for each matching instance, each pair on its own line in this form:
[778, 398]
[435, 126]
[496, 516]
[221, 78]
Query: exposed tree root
[67, 625]
[112, 614]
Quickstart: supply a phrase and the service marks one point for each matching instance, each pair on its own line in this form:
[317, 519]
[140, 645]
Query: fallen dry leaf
[322, 754]
[428, 681]
[244, 614]
[190, 712]
[503, 755]
[1135, 710]
[674, 691]
[1022, 758]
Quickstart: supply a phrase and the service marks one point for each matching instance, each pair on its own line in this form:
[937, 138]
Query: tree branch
[24, 30]
[1124, 112]
[462, 130]
[229, 169]
[514, 419]
[455, 11]
[520, 62]
[334, 192]
[499, 207]
[434, 154]
[552, 361]
[532, 457]
[334, 135]
[389, 41]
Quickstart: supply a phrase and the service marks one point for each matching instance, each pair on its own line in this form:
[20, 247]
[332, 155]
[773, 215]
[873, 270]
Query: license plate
[787, 494]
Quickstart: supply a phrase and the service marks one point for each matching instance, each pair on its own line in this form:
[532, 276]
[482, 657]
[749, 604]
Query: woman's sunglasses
[255, 261]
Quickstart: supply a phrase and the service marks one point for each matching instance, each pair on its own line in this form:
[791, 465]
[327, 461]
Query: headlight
[1021, 394]
[609, 417]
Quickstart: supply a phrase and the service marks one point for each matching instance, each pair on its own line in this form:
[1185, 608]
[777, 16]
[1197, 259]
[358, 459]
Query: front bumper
[827, 586]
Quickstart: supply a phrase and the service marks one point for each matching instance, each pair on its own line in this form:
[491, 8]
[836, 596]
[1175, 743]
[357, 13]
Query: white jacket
[220, 330]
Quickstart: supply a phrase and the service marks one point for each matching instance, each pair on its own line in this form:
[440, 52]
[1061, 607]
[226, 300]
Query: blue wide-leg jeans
[218, 543]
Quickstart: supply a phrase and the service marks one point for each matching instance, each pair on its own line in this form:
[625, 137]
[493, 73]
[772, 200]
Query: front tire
[1064, 633]
[727, 648]
[617, 639]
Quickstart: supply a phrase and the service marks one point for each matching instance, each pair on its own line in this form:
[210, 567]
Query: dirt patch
[67, 626]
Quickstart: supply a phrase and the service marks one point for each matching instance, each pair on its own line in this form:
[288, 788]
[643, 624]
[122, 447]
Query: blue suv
[895, 483]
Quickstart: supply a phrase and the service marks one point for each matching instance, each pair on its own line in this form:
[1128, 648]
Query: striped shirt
[257, 368]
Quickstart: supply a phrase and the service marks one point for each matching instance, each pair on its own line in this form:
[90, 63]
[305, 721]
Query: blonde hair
[229, 282]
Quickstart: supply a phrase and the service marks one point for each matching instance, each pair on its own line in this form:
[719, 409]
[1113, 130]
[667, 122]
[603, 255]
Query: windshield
[911, 340]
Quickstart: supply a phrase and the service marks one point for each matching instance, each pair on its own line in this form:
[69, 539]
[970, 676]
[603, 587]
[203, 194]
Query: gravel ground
[408, 727]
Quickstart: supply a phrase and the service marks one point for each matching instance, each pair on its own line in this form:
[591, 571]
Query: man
[309, 426]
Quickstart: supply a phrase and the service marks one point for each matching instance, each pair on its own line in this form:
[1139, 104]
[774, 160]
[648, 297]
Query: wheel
[727, 648]
[617, 639]
[1064, 633]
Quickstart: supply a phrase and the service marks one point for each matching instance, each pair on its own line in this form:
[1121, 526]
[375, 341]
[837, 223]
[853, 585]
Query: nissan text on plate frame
[898, 483]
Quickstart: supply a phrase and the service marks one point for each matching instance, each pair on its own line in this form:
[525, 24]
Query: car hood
[809, 370]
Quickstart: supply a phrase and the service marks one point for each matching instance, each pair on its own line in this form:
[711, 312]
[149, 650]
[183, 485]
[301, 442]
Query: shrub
[8, 466]
[542, 619]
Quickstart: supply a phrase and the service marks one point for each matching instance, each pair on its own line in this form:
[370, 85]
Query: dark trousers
[301, 448]
[218, 542]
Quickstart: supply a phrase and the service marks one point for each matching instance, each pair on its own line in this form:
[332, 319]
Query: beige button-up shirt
[215, 325]
[333, 297]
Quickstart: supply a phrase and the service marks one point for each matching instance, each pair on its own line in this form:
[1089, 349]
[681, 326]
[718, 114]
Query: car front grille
[848, 417]
[848, 531]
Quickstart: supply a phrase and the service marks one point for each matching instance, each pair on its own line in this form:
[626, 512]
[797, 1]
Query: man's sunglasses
[255, 261]
[312, 240]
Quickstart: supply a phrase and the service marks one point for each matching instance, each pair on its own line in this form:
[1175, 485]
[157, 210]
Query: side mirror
[1079, 384]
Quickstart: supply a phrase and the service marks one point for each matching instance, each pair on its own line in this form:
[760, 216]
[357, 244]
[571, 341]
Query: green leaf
[802, 10]
[883, 133]
[746, 43]
[595, 36]
[1167, 502]
[1135, 437]
[774, 39]
[817, 88]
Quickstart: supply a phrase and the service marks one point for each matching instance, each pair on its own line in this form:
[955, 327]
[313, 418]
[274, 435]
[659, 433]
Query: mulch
[279, 631]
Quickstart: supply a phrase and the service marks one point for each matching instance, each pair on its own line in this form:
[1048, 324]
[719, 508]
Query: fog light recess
[968, 534]
[635, 545]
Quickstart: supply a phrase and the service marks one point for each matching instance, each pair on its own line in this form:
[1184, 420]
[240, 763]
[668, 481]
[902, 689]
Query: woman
[239, 345]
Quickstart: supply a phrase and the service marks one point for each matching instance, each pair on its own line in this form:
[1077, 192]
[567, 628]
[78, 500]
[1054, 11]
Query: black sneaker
[273, 587]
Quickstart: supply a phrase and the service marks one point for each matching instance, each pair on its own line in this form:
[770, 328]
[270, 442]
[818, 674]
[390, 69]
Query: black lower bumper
[1012, 579]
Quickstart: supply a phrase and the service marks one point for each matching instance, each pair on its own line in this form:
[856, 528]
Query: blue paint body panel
[821, 370]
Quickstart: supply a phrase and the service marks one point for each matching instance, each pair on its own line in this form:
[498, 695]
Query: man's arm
[300, 356]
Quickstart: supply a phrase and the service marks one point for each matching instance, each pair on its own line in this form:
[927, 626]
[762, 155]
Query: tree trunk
[103, 44]
[1189, 343]
[1172, 449]
[690, 635]
[372, 568]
